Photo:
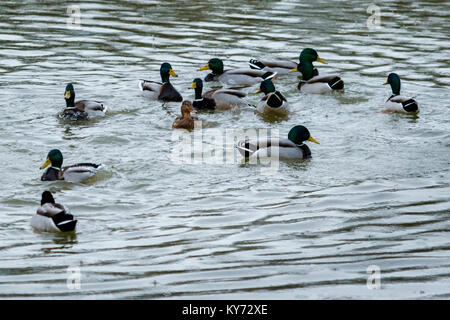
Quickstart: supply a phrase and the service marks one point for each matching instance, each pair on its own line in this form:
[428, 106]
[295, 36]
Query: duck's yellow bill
[294, 70]
[313, 140]
[193, 86]
[205, 67]
[67, 95]
[319, 59]
[258, 91]
[387, 82]
[193, 111]
[46, 164]
[172, 73]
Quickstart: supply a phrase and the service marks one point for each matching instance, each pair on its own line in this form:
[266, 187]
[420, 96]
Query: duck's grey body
[73, 173]
[240, 77]
[321, 84]
[399, 103]
[83, 110]
[53, 217]
[226, 98]
[280, 148]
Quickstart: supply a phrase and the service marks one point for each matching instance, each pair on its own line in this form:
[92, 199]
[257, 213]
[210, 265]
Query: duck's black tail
[269, 75]
[410, 105]
[336, 83]
[64, 221]
[256, 64]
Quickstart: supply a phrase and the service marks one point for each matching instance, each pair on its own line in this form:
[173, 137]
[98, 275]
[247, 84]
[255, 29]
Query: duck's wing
[251, 73]
[284, 64]
[324, 78]
[50, 209]
[147, 85]
[90, 105]
[93, 108]
[80, 171]
[249, 146]
[232, 92]
[209, 94]
[169, 93]
[398, 98]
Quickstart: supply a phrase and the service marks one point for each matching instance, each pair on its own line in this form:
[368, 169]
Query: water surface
[377, 191]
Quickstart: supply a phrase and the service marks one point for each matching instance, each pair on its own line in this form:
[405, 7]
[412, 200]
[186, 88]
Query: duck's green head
[266, 86]
[307, 57]
[47, 198]
[55, 158]
[394, 80]
[197, 84]
[310, 55]
[298, 134]
[166, 71]
[69, 95]
[215, 65]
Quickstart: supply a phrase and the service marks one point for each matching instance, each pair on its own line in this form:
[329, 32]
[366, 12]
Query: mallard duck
[396, 102]
[273, 101]
[52, 217]
[290, 148]
[311, 83]
[185, 121]
[74, 173]
[235, 77]
[82, 109]
[164, 91]
[219, 98]
[278, 66]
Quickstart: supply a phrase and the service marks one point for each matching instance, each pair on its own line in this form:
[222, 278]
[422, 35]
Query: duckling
[164, 91]
[52, 217]
[396, 102]
[281, 67]
[82, 109]
[219, 98]
[74, 173]
[235, 77]
[290, 148]
[273, 101]
[185, 121]
[315, 84]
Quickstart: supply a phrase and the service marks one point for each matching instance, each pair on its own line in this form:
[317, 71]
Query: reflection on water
[376, 191]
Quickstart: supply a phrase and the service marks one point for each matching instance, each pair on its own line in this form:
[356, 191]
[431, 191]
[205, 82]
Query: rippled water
[377, 191]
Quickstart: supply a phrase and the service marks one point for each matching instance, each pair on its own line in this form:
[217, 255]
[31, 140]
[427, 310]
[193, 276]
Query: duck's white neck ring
[59, 169]
[198, 99]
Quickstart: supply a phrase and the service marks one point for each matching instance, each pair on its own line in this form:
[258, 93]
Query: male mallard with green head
[291, 148]
[219, 98]
[235, 77]
[315, 84]
[396, 102]
[164, 90]
[74, 173]
[82, 109]
[273, 101]
[278, 66]
[52, 217]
